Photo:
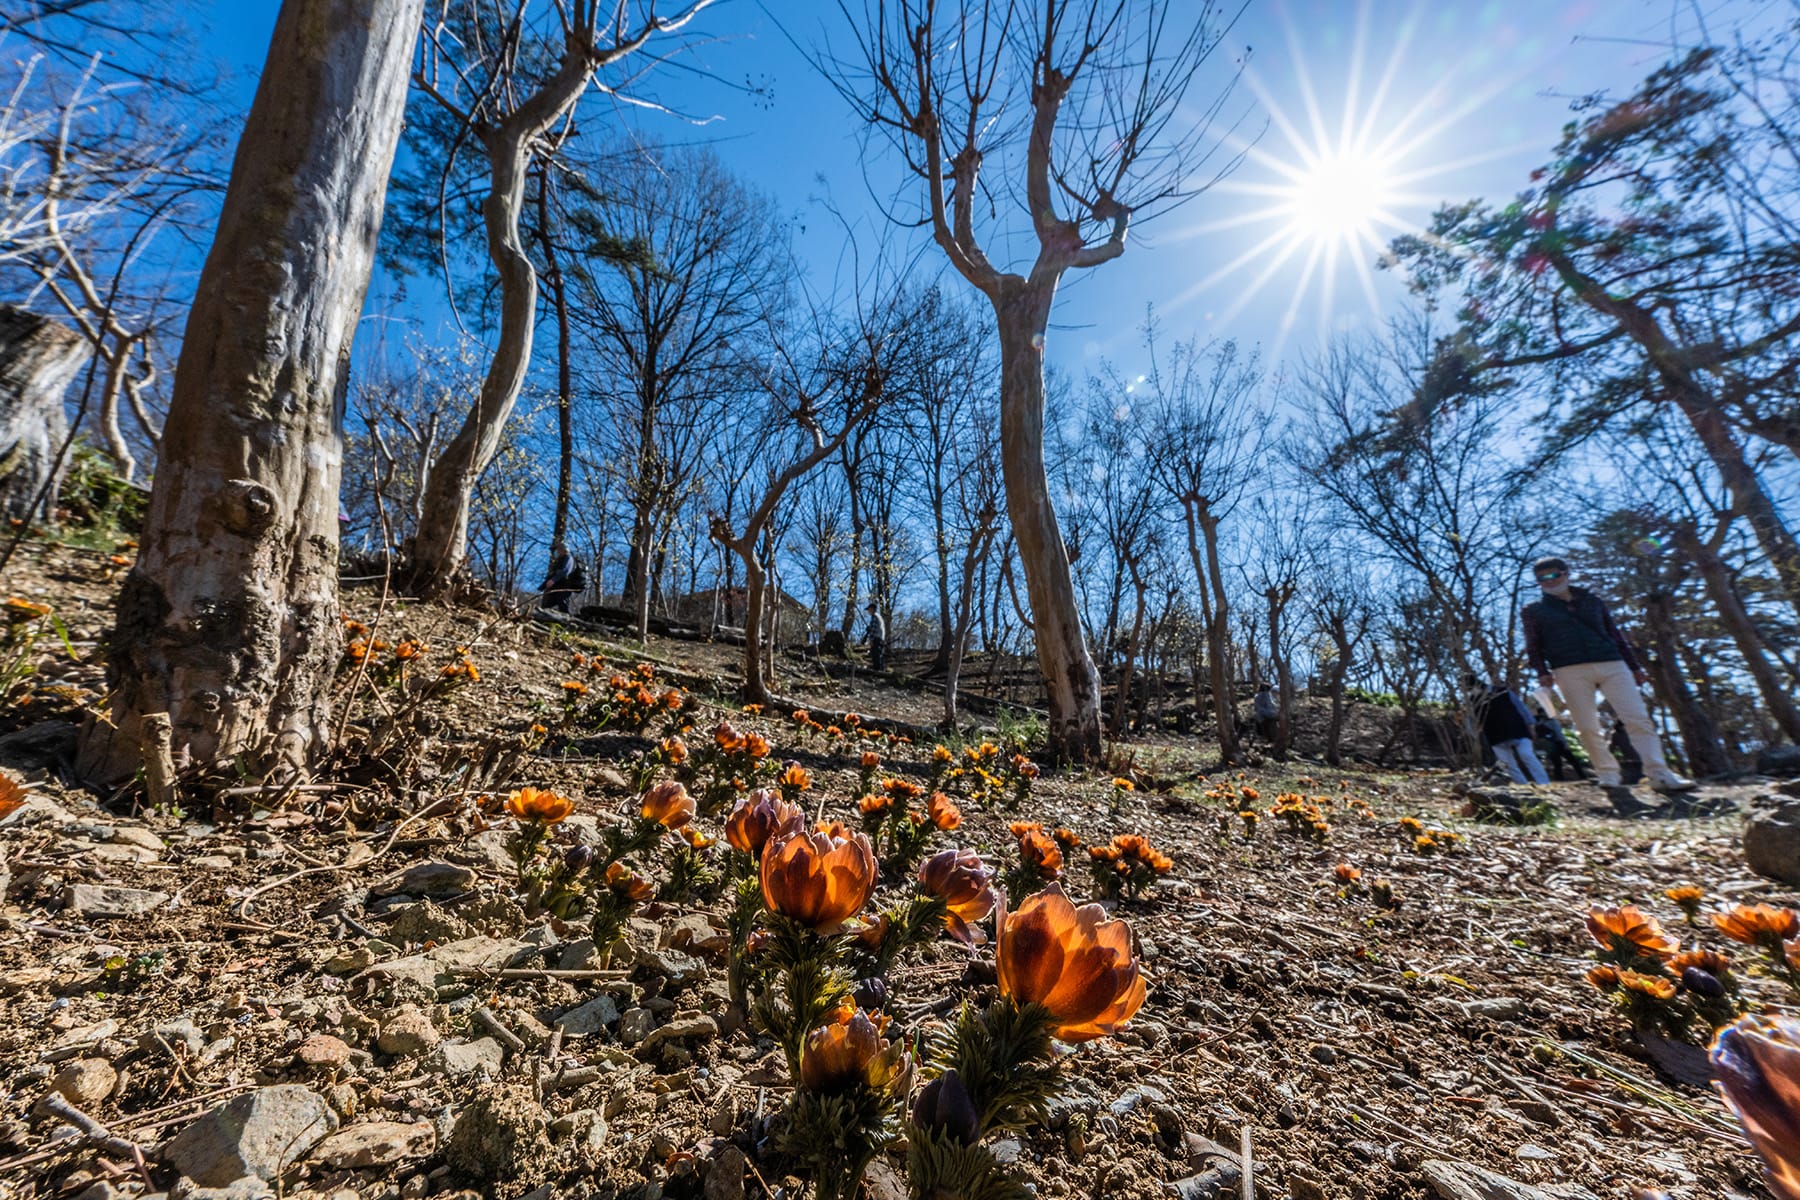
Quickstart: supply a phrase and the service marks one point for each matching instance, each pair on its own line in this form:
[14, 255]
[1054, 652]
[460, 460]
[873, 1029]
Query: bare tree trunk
[565, 387]
[1737, 621]
[1278, 597]
[1071, 683]
[1699, 736]
[1340, 669]
[1218, 639]
[38, 358]
[228, 622]
[1121, 717]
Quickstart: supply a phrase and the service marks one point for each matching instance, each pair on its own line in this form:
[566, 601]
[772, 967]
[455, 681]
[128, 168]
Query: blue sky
[1467, 97]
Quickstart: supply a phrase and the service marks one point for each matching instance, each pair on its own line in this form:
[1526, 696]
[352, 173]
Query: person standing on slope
[1572, 641]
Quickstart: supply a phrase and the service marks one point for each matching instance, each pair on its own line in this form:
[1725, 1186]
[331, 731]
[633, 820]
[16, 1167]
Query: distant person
[563, 580]
[1505, 722]
[1553, 749]
[1571, 641]
[1266, 713]
[876, 637]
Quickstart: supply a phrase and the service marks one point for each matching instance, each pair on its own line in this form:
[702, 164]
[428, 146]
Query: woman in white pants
[1572, 641]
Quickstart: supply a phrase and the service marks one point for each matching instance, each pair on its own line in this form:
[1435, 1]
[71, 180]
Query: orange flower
[12, 795]
[1757, 1061]
[668, 803]
[627, 884]
[1412, 824]
[536, 804]
[850, 1051]
[761, 815]
[696, 839]
[870, 760]
[1067, 839]
[1073, 961]
[409, 649]
[941, 754]
[820, 879]
[1630, 930]
[1604, 977]
[20, 610]
[1686, 898]
[574, 687]
[872, 805]
[1124, 785]
[1347, 873]
[795, 776]
[727, 737]
[943, 812]
[756, 745]
[1250, 793]
[1040, 853]
[1652, 986]
[1710, 961]
[675, 750]
[1758, 924]
[966, 886]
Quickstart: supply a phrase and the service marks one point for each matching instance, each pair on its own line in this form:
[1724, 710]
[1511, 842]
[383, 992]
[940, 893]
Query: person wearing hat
[1572, 641]
[876, 638]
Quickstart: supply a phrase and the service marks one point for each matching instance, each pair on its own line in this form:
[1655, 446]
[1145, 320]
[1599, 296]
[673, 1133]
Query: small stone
[579, 954]
[257, 1134]
[376, 1144]
[435, 879]
[178, 1035]
[1496, 1008]
[1219, 1182]
[1304, 1187]
[724, 1115]
[590, 1018]
[1132, 1098]
[725, 1174]
[1007, 1151]
[635, 1025]
[426, 922]
[1531, 1152]
[701, 1026]
[500, 1135]
[1325, 1056]
[348, 962]
[408, 1032]
[484, 1056]
[86, 1082]
[111, 903]
[673, 965]
[132, 835]
[323, 1052]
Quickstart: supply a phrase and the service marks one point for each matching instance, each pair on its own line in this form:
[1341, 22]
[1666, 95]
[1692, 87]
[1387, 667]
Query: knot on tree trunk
[246, 507]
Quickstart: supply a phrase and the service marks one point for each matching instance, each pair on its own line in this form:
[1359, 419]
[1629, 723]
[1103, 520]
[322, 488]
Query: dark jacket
[1562, 633]
[1501, 715]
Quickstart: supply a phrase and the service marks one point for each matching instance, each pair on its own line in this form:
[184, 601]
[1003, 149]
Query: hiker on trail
[1266, 713]
[1505, 722]
[1553, 748]
[564, 579]
[1571, 641]
[876, 639]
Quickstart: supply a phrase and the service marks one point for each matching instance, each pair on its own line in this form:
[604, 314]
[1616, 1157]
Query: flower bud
[944, 1108]
[872, 994]
[1702, 983]
[578, 859]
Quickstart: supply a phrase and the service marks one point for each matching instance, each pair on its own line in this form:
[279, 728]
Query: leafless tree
[228, 621]
[1083, 106]
[1207, 453]
[478, 63]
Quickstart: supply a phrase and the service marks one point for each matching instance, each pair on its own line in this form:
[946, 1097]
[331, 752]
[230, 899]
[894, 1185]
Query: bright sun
[1342, 197]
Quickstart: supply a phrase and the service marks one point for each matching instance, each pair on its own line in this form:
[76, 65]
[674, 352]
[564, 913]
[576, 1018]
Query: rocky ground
[338, 992]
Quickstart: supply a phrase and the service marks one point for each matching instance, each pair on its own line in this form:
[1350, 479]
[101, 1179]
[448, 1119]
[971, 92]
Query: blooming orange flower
[1124, 785]
[1630, 930]
[20, 610]
[943, 812]
[628, 884]
[870, 760]
[668, 803]
[409, 649]
[850, 1051]
[1073, 961]
[1605, 977]
[941, 754]
[1710, 961]
[574, 687]
[1412, 824]
[1686, 898]
[1039, 853]
[1653, 986]
[875, 803]
[675, 750]
[696, 839]
[1250, 793]
[795, 776]
[727, 737]
[1758, 924]
[1068, 839]
[539, 805]
[1757, 1061]
[959, 878]
[761, 815]
[1347, 873]
[820, 879]
[756, 745]
[12, 795]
